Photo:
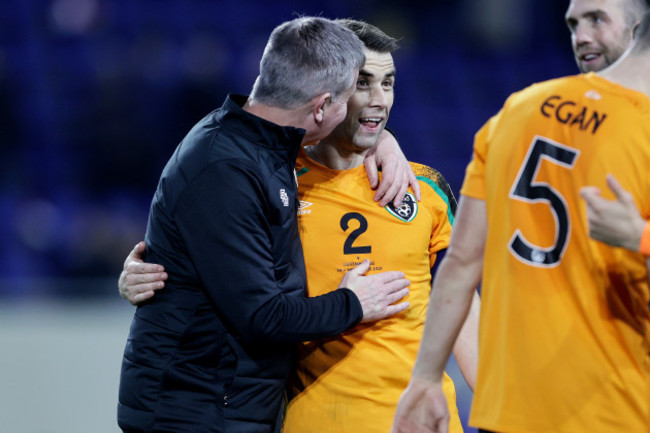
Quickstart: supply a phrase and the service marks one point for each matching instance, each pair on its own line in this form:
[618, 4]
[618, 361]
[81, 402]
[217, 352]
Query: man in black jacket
[212, 352]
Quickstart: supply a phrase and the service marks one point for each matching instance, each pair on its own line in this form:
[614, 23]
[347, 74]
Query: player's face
[600, 32]
[369, 106]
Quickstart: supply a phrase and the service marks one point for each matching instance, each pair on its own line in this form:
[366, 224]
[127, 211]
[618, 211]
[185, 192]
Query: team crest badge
[406, 210]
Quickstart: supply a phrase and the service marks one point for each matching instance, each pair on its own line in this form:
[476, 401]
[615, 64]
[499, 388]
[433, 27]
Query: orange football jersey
[565, 326]
[352, 383]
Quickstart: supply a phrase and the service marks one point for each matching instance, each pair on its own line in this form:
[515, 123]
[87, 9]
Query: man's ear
[320, 105]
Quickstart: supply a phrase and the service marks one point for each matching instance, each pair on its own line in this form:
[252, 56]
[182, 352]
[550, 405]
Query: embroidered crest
[406, 210]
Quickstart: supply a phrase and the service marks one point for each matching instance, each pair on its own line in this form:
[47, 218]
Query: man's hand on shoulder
[397, 174]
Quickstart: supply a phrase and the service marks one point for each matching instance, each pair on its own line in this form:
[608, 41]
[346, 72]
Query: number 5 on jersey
[528, 190]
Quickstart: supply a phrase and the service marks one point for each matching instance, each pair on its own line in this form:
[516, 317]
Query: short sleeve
[474, 182]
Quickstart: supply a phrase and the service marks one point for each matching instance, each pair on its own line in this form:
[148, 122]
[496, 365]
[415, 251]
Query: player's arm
[397, 174]
[139, 280]
[466, 346]
[616, 222]
[422, 406]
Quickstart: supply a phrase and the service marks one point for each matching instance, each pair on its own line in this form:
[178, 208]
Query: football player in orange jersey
[565, 329]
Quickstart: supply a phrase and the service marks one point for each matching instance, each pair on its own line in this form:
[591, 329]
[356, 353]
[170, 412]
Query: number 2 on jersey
[527, 189]
[348, 248]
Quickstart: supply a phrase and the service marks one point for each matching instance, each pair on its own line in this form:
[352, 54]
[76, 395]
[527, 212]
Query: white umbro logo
[302, 208]
[284, 197]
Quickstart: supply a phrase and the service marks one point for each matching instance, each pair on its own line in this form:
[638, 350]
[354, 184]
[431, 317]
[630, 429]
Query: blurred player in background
[565, 328]
[601, 31]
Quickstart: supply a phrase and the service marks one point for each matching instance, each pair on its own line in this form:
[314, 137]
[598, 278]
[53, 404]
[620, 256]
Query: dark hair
[306, 57]
[372, 37]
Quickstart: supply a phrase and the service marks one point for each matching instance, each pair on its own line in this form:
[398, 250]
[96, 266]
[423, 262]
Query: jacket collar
[258, 130]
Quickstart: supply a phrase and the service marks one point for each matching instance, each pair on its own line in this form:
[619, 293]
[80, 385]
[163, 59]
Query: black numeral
[528, 190]
[348, 248]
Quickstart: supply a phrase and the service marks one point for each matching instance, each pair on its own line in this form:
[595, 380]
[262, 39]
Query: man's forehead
[579, 7]
[376, 60]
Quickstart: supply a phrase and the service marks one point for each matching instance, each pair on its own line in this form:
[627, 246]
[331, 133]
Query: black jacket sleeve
[223, 219]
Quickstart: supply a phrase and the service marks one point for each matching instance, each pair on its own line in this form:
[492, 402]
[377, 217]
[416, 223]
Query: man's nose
[378, 97]
[582, 35]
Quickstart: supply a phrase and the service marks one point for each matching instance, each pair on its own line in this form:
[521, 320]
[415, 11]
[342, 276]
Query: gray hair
[304, 58]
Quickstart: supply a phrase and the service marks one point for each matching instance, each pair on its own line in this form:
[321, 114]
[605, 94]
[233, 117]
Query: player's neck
[335, 157]
[626, 73]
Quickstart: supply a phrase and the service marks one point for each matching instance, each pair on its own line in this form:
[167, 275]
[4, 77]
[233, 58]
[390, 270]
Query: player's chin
[366, 141]
[592, 66]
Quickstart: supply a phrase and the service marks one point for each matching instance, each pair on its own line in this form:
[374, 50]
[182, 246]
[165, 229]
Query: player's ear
[320, 104]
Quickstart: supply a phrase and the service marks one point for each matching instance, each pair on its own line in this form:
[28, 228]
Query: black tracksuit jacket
[212, 351]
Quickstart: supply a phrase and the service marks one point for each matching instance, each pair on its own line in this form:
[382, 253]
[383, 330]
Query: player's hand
[616, 222]
[139, 280]
[397, 174]
[422, 408]
[377, 292]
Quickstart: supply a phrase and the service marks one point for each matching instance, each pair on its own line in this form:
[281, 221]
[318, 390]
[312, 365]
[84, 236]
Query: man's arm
[422, 407]
[616, 222]
[396, 171]
[466, 346]
[139, 280]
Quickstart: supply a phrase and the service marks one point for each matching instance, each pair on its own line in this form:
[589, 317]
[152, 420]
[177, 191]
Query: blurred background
[96, 94]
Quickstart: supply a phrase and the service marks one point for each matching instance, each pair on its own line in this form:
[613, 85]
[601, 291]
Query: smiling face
[601, 30]
[369, 106]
